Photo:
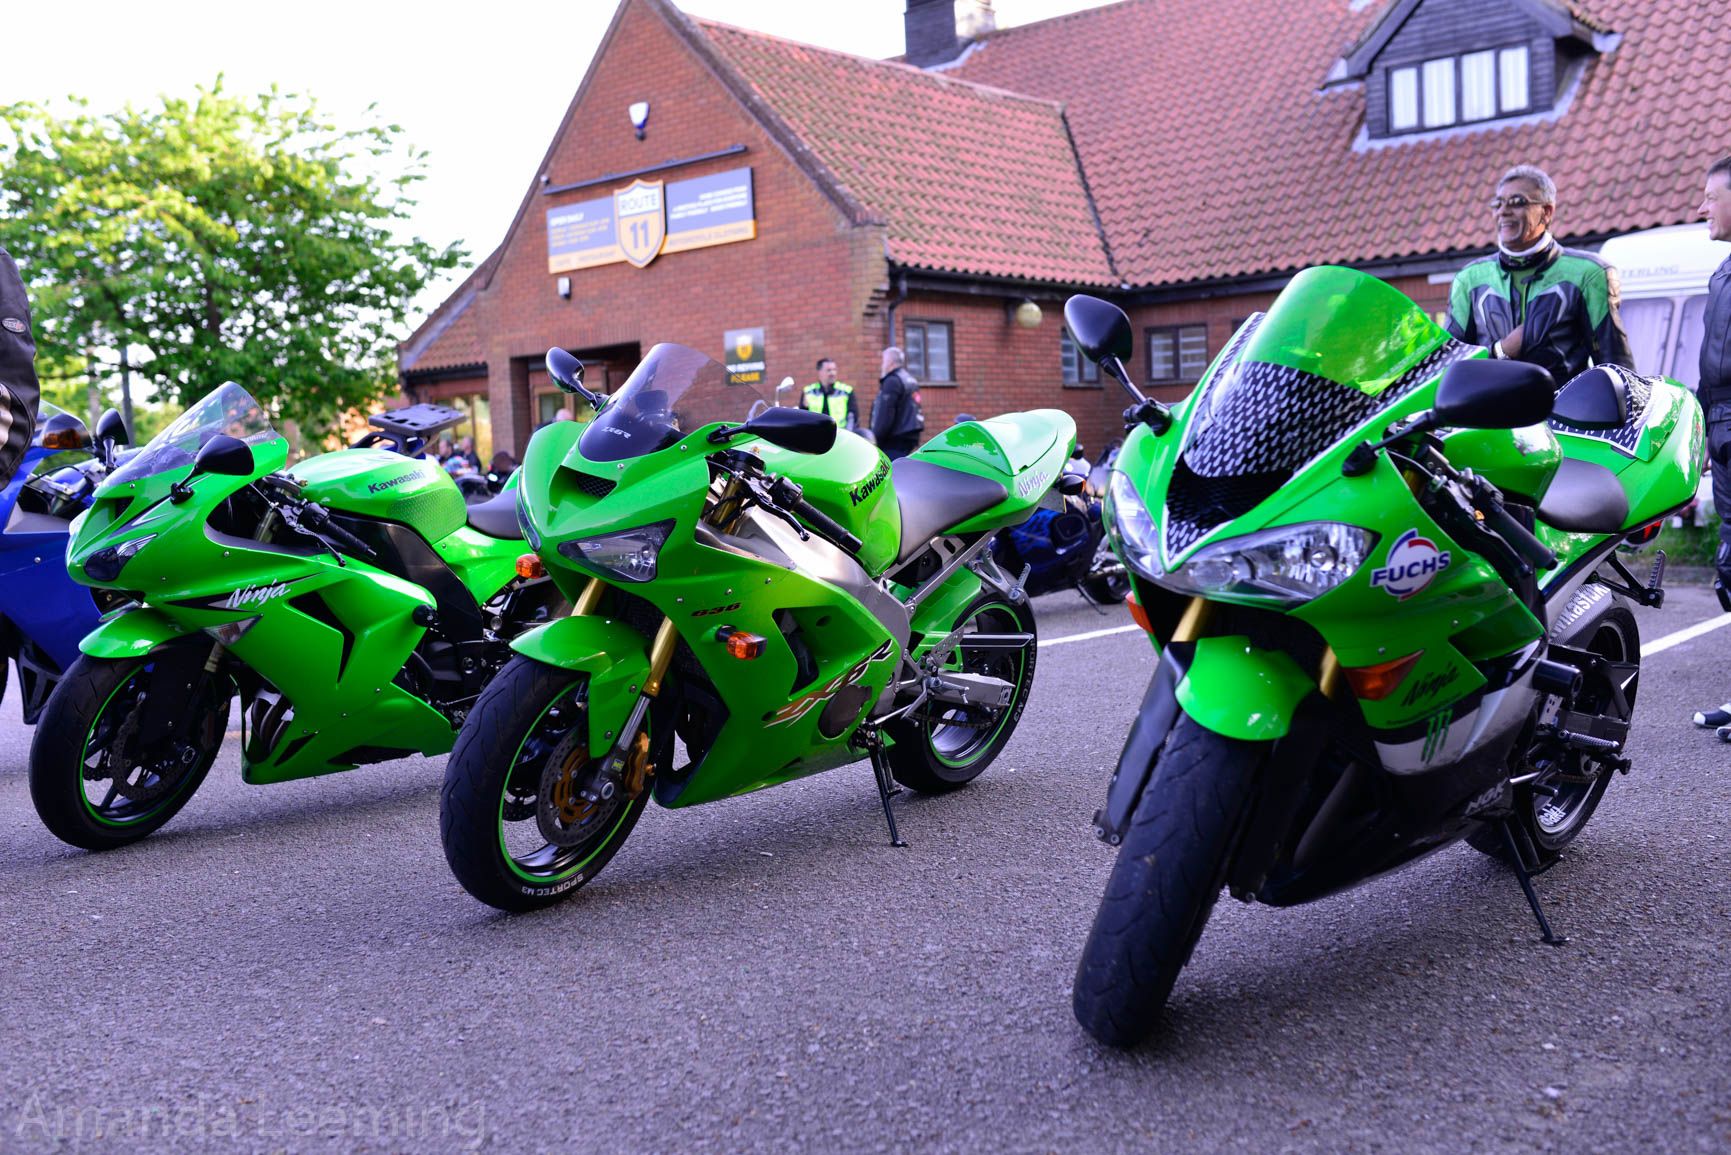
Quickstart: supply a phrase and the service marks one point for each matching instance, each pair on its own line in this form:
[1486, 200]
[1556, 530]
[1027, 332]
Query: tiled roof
[448, 339]
[1212, 152]
[967, 178]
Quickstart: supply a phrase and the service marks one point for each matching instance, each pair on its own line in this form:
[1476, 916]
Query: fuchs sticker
[1413, 562]
[252, 596]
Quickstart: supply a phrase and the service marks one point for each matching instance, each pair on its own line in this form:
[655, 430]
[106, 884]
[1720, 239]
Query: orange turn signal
[1374, 683]
[530, 566]
[1138, 614]
[740, 644]
[63, 439]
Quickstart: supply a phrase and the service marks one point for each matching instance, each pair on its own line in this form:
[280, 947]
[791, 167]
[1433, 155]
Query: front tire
[945, 746]
[95, 782]
[1169, 872]
[513, 834]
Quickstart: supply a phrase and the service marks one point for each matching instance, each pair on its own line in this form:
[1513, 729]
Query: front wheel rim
[558, 731]
[143, 787]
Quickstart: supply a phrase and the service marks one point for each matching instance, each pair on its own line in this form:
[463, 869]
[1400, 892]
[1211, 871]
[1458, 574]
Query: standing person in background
[1533, 300]
[1714, 392]
[19, 392]
[896, 418]
[829, 396]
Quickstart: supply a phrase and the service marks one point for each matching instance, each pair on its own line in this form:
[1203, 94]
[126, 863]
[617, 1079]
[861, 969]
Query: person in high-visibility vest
[829, 396]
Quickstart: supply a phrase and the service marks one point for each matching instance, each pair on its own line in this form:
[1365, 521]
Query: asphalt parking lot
[293, 968]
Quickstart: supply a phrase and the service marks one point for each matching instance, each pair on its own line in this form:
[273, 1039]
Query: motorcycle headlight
[1289, 564]
[629, 555]
[1133, 530]
[105, 564]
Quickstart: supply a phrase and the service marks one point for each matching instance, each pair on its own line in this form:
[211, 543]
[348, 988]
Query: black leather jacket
[18, 388]
[1715, 386]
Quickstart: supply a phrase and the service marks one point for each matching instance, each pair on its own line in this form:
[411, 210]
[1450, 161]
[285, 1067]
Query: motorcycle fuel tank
[378, 483]
[850, 483]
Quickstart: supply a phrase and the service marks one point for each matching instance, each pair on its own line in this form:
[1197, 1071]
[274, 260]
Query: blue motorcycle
[43, 612]
[1066, 547]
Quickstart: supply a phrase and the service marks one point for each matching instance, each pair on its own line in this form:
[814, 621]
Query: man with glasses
[1533, 300]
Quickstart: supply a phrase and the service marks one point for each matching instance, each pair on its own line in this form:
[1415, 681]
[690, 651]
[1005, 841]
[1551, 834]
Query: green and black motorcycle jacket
[1564, 300]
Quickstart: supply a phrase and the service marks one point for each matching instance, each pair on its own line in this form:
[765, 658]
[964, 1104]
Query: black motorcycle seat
[1584, 498]
[934, 498]
[497, 517]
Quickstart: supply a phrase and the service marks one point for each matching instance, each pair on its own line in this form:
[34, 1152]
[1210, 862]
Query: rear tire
[1553, 823]
[88, 716]
[1163, 886]
[945, 747]
[530, 723]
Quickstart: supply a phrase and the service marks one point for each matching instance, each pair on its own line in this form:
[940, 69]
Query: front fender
[1239, 691]
[130, 635]
[615, 656]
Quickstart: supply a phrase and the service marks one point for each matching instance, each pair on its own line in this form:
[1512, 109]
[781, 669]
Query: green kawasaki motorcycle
[755, 600]
[354, 604]
[1388, 613]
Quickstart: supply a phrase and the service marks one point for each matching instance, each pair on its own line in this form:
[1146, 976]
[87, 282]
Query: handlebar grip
[1520, 538]
[826, 525]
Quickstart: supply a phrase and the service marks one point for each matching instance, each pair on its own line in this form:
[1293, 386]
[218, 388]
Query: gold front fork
[1200, 613]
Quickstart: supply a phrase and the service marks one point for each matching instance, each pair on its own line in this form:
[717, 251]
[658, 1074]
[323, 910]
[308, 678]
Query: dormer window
[1426, 67]
[1458, 89]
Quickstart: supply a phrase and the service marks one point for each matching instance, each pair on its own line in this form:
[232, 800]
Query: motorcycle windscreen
[1335, 348]
[228, 409]
[674, 391]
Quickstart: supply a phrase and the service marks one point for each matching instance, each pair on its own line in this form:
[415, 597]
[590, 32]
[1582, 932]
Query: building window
[1178, 354]
[928, 349]
[1078, 370]
[1459, 89]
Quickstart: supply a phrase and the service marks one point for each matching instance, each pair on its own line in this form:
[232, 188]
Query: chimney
[939, 30]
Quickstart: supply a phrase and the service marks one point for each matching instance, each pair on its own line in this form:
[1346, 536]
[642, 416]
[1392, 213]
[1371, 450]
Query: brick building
[1181, 159]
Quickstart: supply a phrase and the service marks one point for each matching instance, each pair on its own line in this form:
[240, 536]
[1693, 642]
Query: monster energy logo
[1436, 729]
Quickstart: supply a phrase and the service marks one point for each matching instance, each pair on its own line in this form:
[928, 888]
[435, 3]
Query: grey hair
[1547, 186]
[896, 356]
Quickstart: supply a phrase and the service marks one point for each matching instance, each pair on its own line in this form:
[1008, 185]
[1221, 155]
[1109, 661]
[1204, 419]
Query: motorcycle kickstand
[887, 788]
[1515, 847]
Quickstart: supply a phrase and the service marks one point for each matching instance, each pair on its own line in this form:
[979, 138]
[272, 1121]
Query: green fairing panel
[1664, 470]
[132, 634]
[485, 565]
[931, 621]
[615, 657]
[1024, 452]
[1520, 462]
[1239, 691]
[379, 483]
[851, 483]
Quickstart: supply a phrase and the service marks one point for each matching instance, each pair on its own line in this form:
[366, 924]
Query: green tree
[217, 239]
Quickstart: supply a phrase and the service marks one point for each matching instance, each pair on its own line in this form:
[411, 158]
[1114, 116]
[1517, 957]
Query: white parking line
[1091, 634]
[1660, 645]
[1648, 649]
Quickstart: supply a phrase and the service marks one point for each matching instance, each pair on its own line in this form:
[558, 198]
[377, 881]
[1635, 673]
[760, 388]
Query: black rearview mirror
[1484, 394]
[224, 455]
[111, 428]
[566, 371]
[801, 430]
[1099, 328]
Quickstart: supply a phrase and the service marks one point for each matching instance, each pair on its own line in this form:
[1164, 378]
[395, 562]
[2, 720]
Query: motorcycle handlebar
[1530, 549]
[826, 525]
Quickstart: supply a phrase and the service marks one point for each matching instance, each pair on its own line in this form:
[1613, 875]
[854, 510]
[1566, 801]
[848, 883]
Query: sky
[482, 95]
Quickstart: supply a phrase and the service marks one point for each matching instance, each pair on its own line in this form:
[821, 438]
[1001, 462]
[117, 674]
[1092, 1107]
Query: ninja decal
[1413, 562]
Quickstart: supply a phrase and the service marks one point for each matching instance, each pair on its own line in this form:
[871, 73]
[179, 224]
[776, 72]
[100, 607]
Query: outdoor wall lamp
[565, 287]
[1027, 315]
[639, 117]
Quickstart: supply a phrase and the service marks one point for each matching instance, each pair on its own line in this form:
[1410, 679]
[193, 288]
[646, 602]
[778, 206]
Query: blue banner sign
[685, 214]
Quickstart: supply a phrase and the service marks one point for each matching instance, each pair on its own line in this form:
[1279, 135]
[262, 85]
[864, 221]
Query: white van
[1664, 275]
